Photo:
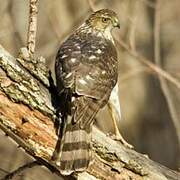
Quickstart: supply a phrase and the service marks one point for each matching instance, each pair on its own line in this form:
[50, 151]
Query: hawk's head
[103, 20]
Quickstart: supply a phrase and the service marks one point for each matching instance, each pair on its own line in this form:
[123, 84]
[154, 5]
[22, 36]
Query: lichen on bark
[21, 86]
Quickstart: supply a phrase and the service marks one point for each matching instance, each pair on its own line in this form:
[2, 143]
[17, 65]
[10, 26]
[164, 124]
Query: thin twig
[163, 83]
[32, 29]
[4, 171]
[20, 170]
[134, 72]
[148, 63]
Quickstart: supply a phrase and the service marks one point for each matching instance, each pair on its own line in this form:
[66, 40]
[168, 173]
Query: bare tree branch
[32, 29]
[148, 63]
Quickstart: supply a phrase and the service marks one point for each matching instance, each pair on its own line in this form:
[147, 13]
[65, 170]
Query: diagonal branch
[148, 63]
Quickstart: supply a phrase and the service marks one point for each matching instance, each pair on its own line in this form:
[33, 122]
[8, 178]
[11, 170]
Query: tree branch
[27, 115]
[149, 64]
[31, 39]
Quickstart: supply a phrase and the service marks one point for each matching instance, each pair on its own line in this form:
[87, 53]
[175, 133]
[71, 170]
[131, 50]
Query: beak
[117, 24]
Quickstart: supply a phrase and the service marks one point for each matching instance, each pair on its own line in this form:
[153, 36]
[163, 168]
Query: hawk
[86, 70]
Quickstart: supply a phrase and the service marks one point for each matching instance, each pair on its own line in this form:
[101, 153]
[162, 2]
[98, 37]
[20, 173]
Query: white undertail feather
[114, 100]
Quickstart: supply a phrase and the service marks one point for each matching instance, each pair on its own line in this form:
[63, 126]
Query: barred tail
[74, 153]
[75, 149]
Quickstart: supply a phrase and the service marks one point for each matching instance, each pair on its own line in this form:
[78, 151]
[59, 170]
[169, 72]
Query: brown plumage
[86, 72]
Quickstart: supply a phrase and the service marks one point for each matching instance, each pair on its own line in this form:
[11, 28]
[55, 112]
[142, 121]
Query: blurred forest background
[150, 104]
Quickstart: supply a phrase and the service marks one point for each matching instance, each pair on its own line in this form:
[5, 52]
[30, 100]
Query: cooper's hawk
[86, 72]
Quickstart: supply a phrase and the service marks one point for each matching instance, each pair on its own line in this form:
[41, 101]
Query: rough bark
[27, 115]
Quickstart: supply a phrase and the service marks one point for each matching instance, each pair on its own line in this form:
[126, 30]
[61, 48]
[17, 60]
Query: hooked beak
[117, 24]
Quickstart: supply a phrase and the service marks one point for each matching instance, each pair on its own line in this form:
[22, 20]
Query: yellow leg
[115, 119]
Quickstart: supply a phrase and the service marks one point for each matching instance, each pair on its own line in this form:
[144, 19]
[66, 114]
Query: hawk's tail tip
[75, 152]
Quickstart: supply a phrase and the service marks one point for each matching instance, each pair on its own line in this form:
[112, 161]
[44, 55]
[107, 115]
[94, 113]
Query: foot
[119, 138]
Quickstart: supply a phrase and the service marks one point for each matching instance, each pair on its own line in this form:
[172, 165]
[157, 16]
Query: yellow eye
[105, 20]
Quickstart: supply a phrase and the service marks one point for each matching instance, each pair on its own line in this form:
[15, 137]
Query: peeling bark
[27, 115]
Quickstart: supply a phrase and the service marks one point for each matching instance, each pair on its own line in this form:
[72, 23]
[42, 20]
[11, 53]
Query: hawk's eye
[105, 20]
